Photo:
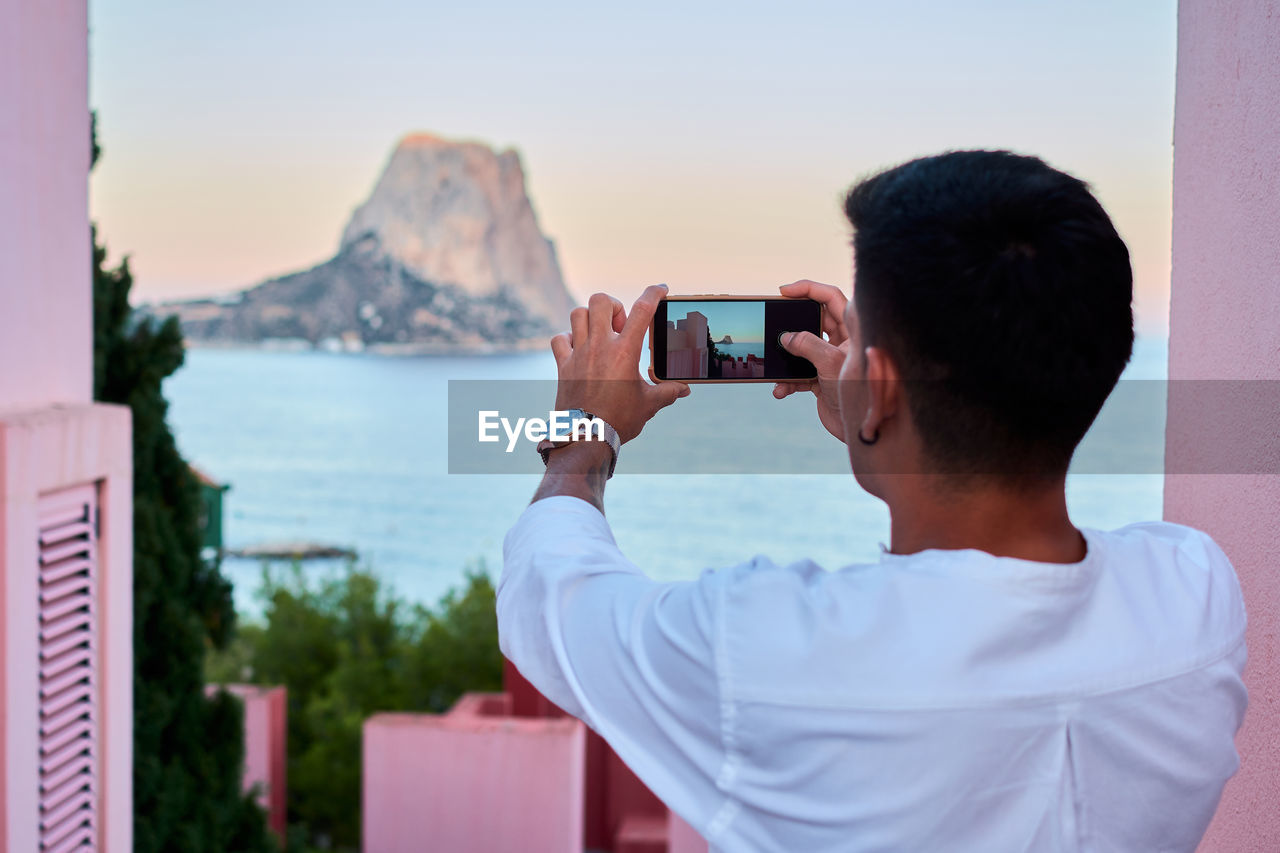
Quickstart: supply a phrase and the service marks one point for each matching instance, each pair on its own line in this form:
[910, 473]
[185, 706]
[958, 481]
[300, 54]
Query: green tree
[456, 647]
[346, 649]
[712, 351]
[188, 748]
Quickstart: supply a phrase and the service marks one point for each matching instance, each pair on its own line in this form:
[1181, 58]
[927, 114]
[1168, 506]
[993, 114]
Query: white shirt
[941, 701]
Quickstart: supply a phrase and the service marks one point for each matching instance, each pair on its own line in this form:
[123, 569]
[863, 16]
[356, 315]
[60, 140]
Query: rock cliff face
[446, 254]
[457, 213]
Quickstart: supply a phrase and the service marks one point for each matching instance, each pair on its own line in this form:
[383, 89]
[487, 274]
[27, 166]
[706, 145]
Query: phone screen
[731, 339]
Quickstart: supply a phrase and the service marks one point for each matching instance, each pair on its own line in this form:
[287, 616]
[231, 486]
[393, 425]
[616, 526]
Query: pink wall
[45, 310]
[265, 747]
[473, 779]
[46, 358]
[1225, 324]
[41, 451]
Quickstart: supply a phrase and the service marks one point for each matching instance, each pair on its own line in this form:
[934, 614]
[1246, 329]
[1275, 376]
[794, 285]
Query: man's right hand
[827, 356]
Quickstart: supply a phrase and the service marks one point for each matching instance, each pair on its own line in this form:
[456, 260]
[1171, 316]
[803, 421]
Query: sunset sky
[706, 145]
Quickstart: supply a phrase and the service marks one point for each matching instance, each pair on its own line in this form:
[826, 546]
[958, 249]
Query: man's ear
[884, 390]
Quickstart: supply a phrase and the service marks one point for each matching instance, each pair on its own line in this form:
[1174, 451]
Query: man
[1000, 680]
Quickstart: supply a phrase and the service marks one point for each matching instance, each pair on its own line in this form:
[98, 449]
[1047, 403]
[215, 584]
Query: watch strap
[611, 438]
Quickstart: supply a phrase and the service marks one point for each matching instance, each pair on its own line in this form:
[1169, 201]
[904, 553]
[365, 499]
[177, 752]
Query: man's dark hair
[1003, 292]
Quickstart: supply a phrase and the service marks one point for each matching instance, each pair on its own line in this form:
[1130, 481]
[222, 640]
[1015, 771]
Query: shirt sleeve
[631, 657]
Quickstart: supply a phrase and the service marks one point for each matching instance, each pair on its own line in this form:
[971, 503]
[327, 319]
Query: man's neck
[1028, 525]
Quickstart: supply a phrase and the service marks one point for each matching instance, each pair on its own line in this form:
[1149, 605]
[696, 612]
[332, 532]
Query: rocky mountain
[445, 255]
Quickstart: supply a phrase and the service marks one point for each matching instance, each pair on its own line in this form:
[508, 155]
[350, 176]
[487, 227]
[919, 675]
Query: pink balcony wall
[265, 747]
[43, 451]
[474, 779]
[1225, 324]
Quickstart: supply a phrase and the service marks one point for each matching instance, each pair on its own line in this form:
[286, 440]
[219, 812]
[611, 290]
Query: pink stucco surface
[265, 747]
[44, 450]
[473, 780]
[44, 202]
[1225, 325]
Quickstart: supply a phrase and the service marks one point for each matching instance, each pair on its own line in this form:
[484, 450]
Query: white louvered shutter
[68, 670]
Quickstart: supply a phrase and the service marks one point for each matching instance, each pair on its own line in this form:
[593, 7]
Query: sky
[743, 322]
[705, 145]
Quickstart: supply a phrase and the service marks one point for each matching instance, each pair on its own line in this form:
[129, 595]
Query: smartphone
[730, 338]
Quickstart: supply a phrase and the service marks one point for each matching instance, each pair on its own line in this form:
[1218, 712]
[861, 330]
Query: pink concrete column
[46, 319]
[265, 748]
[1225, 325]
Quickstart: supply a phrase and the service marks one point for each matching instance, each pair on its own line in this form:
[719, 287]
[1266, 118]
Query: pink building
[506, 771]
[476, 779]
[66, 582]
[742, 367]
[687, 346]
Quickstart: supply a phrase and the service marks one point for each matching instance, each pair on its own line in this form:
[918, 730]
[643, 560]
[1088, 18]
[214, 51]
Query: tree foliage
[187, 747]
[345, 648]
[713, 352]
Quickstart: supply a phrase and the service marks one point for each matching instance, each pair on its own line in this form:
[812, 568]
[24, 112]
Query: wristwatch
[580, 429]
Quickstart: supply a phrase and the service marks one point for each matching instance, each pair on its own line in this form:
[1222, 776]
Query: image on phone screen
[731, 339]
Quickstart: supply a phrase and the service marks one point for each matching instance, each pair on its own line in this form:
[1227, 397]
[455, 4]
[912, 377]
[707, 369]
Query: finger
[783, 390]
[810, 346]
[619, 315]
[600, 309]
[833, 301]
[578, 326]
[561, 348]
[829, 295]
[833, 326]
[642, 312]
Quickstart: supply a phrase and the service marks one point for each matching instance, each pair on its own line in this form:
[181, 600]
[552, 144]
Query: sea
[742, 349]
[351, 449]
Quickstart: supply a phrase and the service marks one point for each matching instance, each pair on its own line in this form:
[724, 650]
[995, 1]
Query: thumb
[806, 345]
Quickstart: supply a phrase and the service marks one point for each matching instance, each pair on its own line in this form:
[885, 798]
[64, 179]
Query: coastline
[417, 348]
